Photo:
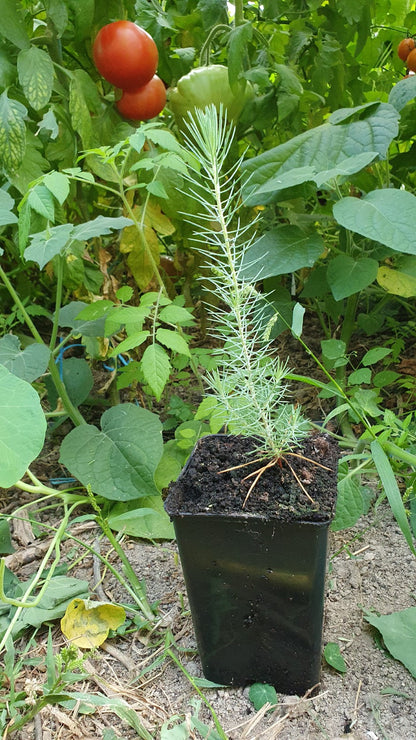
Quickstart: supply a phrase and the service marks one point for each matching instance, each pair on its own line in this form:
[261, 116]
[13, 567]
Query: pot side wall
[256, 592]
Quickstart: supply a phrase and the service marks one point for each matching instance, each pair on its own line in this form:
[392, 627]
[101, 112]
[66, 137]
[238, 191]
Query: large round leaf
[22, 428]
[119, 461]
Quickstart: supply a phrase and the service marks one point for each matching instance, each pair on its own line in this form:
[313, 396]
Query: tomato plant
[125, 55]
[145, 102]
[404, 48]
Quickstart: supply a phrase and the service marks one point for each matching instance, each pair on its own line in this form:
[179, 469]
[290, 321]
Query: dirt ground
[369, 566]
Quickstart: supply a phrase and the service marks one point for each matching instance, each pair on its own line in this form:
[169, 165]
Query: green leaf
[47, 244]
[261, 694]
[402, 92]
[36, 75]
[174, 341]
[350, 504]
[6, 205]
[333, 657]
[58, 184]
[396, 282]
[146, 519]
[391, 489]
[398, 631]
[6, 547]
[119, 461]
[347, 276]
[320, 150]
[12, 27]
[27, 364]
[78, 380]
[238, 40]
[41, 200]
[12, 132]
[23, 427]
[156, 368]
[133, 340]
[174, 314]
[374, 355]
[100, 226]
[88, 327]
[280, 251]
[386, 216]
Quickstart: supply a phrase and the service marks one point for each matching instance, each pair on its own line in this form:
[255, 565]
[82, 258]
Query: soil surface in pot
[217, 479]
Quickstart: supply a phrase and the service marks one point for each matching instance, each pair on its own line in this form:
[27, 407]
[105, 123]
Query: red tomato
[144, 103]
[125, 55]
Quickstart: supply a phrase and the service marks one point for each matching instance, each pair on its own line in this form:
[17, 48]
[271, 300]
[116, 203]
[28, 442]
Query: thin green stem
[209, 706]
[140, 595]
[58, 301]
[239, 12]
[23, 602]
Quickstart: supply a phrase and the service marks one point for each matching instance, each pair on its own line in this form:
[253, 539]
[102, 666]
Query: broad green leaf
[29, 363]
[60, 591]
[88, 327]
[58, 184]
[374, 355]
[58, 13]
[86, 624]
[347, 276]
[396, 282]
[174, 314]
[6, 205]
[36, 75]
[119, 461]
[147, 519]
[156, 368]
[398, 631]
[23, 427]
[386, 216]
[41, 200]
[403, 92]
[78, 380]
[261, 694]
[238, 39]
[6, 547]
[350, 504]
[32, 166]
[80, 113]
[47, 244]
[333, 657]
[133, 340]
[100, 226]
[280, 251]
[173, 340]
[321, 150]
[12, 27]
[391, 489]
[362, 376]
[12, 132]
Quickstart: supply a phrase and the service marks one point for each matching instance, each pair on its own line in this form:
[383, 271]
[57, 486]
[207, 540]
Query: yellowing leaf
[155, 218]
[397, 282]
[87, 624]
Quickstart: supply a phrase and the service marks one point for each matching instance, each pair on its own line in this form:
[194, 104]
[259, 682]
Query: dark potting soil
[279, 491]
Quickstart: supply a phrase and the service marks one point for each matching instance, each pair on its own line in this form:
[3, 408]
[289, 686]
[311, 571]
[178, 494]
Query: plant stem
[239, 12]
[141, 598]
[209, 706]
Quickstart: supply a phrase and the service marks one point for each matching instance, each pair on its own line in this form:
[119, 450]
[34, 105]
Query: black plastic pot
[256, 592]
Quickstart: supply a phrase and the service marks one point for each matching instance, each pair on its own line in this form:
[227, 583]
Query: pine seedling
[249, 388]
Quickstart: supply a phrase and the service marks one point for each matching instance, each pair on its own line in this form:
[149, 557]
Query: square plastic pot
[256, 592]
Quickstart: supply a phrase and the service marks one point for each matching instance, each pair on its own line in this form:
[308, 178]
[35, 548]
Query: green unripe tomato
[208, 85]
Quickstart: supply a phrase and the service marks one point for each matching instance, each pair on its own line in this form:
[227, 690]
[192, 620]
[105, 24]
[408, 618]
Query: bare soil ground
[370, 566]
